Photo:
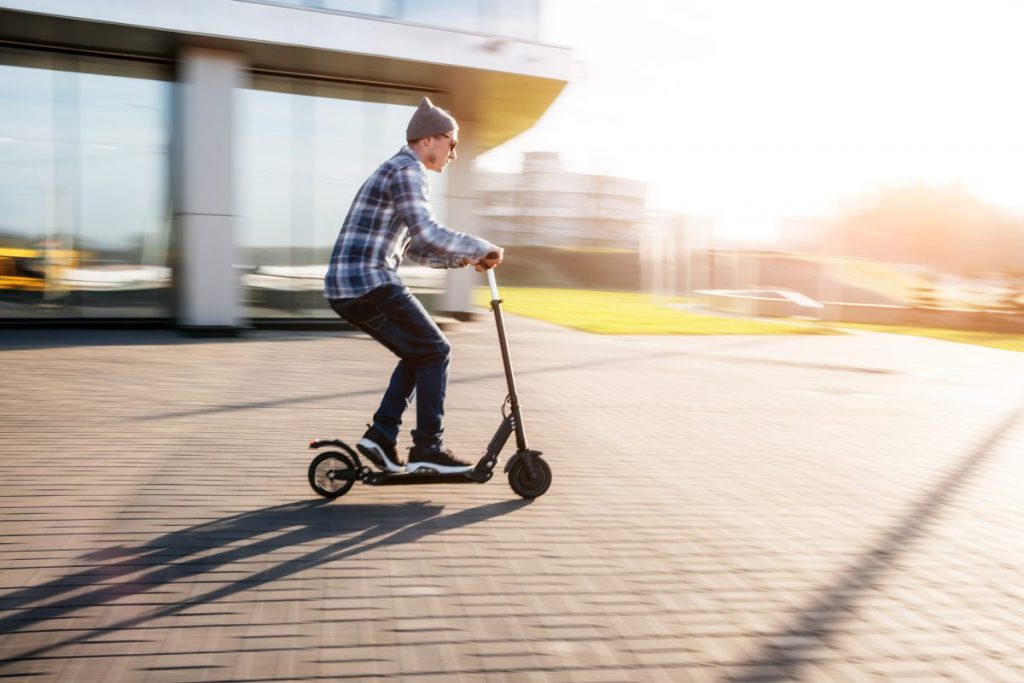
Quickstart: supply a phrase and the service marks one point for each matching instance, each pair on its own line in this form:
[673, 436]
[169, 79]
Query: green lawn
[604, 312]
[997, 340]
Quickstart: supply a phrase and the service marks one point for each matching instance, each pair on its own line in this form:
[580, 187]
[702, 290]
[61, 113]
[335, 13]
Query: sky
[749, 112]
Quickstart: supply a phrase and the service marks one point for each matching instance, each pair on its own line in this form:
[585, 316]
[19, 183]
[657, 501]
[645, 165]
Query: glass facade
[84, 190]
[512, 18]
[304, 149]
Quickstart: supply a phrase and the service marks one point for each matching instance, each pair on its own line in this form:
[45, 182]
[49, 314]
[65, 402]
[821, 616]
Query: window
[305, 147]
[84, 191]
[512, 18]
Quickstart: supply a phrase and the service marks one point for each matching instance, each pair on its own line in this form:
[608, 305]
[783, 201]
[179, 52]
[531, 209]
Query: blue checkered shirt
[391, 218]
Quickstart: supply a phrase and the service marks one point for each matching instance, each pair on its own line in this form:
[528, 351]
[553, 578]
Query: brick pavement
[723, 508]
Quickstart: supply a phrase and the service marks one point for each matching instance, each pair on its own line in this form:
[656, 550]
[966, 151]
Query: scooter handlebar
[493, 284]
[490, 274]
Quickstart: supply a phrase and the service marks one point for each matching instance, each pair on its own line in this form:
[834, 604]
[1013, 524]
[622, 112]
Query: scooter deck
[426, 477]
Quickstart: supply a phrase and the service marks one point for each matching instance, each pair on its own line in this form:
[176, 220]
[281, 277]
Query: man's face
[441, 150]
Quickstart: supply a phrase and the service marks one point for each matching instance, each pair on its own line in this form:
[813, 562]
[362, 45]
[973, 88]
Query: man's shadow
[180, 555]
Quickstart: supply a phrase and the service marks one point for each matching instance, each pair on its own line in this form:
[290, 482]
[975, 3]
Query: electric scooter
[332, 473]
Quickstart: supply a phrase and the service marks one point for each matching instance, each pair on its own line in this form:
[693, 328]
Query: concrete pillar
[207, 284]
[462, 216]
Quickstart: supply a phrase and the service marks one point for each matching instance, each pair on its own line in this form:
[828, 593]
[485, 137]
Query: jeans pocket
[361, 311]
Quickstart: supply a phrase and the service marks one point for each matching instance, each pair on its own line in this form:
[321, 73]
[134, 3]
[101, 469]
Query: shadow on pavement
[20, 339]
[782, 654]
[628, 357]
[184, 555]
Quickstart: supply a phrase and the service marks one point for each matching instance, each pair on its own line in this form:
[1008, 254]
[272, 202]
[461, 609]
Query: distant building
[547, 205]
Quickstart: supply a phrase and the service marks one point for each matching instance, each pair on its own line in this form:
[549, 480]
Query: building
[547, 205]
[191, 160]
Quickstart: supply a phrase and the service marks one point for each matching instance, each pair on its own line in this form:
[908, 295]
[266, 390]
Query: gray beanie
[429, 120]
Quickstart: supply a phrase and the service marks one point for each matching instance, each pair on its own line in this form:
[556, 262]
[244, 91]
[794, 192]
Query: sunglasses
[451, 142]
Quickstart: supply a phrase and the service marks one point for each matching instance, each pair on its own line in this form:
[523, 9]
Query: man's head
[433, 134]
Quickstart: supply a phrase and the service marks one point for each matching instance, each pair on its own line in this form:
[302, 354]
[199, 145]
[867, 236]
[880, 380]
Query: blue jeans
[395, 318]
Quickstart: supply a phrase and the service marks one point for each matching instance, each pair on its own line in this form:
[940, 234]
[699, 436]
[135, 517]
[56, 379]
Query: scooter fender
[518, 456]
[320, 443]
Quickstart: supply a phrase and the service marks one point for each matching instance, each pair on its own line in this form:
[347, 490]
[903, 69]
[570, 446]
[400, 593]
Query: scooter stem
[513, 395]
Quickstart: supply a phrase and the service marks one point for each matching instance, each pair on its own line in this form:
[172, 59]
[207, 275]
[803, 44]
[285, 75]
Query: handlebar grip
[490, 257]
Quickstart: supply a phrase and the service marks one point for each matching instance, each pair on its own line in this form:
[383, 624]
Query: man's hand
[491, 260]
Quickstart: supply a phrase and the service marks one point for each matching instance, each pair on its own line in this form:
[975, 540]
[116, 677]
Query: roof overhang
[503, 85]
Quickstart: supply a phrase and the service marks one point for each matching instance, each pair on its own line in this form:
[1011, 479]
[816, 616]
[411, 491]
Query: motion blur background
[191, 162]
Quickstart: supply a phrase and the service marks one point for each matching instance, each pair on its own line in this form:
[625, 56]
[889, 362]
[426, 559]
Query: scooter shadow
[210, 548]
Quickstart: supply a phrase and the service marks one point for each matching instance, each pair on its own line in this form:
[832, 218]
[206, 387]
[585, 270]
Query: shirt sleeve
[431, 259]
[429, 237]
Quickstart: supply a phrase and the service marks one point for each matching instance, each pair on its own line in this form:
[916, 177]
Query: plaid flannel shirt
[391, 218]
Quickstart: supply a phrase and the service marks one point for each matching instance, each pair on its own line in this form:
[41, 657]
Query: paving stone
[841, 508]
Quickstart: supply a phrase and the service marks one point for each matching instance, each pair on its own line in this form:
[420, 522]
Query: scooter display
[333, 472]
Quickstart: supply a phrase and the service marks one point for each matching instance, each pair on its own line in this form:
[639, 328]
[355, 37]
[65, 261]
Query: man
[390, 218]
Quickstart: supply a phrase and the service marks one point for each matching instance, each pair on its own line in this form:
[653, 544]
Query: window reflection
[305, 148]
[382, 8]
[461, 14]
[513, 18]
[83, 186]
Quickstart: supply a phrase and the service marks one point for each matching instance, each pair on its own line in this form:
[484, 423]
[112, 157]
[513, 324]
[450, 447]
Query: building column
[463, 216]
[208, 292]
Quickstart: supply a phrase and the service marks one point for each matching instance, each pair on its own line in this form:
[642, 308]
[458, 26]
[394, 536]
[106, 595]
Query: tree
[943, 227]
[1013, 298]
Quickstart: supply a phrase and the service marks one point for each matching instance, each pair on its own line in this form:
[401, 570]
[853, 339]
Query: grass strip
[604, 312]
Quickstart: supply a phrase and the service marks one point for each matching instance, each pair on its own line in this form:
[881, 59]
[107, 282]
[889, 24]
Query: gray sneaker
[440, 461]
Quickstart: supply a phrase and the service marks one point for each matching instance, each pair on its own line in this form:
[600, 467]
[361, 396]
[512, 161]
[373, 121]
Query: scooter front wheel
[332, 474]
[526, 486]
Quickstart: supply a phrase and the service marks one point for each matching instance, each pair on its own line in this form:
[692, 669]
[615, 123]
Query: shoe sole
[375, 454]
[440, 469]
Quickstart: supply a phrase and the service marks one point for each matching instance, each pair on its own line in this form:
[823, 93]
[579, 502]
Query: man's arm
[432, 259]
[408, 187]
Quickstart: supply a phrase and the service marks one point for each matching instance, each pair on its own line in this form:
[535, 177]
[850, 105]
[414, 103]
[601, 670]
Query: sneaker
[441, 461]
[379, 450]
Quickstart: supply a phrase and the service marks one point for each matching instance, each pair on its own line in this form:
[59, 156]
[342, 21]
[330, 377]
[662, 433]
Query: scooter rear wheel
[526, 486]
[324, 474]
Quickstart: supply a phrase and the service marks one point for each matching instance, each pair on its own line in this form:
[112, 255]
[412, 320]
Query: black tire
[321, 472]
[530, 487]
